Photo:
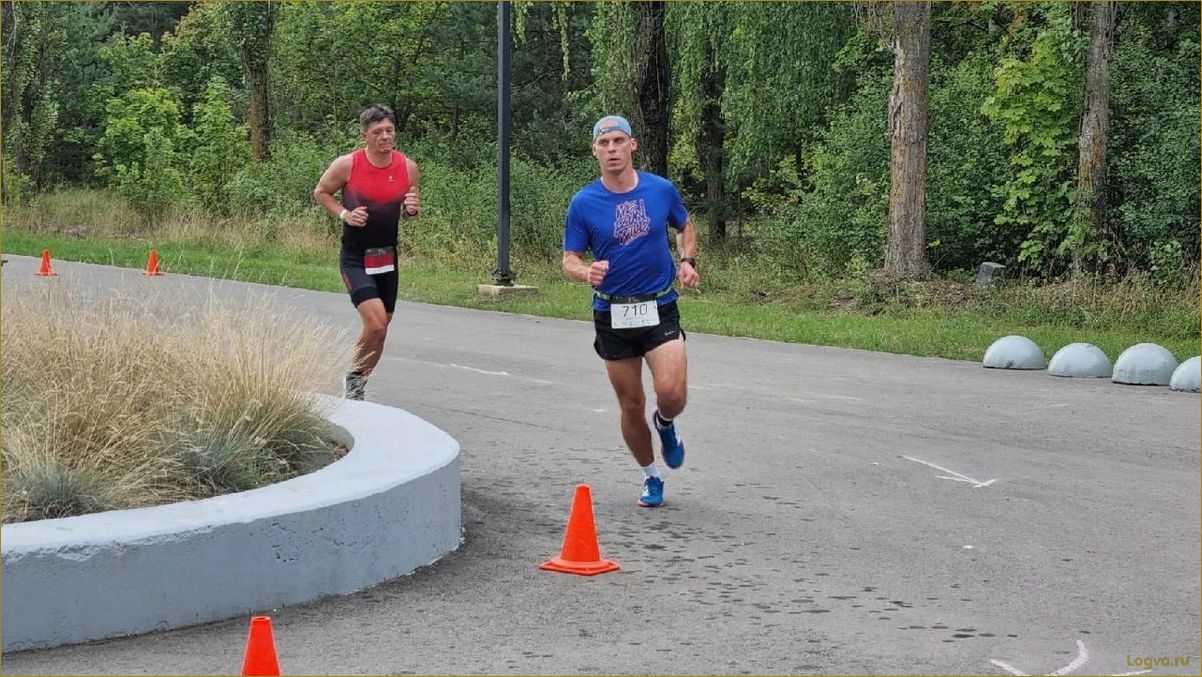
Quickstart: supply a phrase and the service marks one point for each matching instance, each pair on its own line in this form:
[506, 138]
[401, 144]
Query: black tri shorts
[370, 274]
[620, 344]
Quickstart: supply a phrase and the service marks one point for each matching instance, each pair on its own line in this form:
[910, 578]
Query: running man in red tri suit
[379, 186]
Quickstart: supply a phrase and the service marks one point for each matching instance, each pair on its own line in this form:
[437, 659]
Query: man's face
[380, 135]
[613, 150]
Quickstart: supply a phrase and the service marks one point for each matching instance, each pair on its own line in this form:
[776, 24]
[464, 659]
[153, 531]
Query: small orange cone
[45, 271]
[260, 658]
[580, 553]
[152, 264]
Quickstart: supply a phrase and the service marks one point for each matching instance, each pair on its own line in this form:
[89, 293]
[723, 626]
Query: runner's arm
[575, 267]
[686, 245]
[413, 202]
[332, 181]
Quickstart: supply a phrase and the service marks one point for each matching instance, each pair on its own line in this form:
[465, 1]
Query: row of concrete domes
[1141, 364]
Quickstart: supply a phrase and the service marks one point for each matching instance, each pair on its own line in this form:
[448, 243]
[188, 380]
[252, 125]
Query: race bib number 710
[632, 315]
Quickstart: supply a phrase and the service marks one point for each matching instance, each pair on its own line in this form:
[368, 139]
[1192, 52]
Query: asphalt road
[813, 528]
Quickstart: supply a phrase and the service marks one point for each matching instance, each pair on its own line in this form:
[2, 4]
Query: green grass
[1052, 317]
[263, 263]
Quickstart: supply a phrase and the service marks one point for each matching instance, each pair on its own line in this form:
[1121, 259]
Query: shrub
[138, 155]
[108, 404]
[221, 147]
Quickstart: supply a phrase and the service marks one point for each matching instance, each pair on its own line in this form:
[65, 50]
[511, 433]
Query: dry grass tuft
[88, 213]
[108, 405]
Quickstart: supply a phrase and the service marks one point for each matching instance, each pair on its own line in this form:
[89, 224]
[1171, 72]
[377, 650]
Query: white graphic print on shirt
[631, 221]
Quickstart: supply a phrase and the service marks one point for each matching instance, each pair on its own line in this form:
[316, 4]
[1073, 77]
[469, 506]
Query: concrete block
[1186, 377]
[1145, 364]
[1014, 352]
[989, 273]
[1080, 360]
[501, 291]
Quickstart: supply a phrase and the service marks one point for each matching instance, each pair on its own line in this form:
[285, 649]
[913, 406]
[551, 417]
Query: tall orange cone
[45, 271]
[580, 553]
[152, 264]
[260, 658]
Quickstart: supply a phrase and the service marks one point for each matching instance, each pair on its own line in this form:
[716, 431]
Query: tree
[651, 82]
[200, 48]
[1036, 100]
[221, 148]
[701, 38]
[32, 41]
[1094, 138]
[253, 22]
[905, 249]
[141, 151]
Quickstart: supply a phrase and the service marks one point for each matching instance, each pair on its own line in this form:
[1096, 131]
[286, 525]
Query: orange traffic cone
[152, 264]
[45, 271]
[260, 658]
[580, 553]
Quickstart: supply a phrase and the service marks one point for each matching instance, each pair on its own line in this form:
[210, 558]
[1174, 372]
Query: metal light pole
[502, 274]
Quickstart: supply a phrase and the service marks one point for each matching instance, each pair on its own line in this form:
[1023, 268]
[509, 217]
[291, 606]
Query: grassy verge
[903, 321]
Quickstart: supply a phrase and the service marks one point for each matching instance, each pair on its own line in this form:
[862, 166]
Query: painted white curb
[389, 506]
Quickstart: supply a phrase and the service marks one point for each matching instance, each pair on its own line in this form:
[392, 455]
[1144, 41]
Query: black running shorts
[620, 344]
[358, 268]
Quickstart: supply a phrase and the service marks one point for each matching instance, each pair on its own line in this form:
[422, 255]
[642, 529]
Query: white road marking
[479, 371]
[452, 365]
[957, 476]
[1081, 659]
[1008, 668]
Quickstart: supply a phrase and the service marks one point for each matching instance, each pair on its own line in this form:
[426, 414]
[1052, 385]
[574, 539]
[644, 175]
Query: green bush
[966, 158]
[221, 146]
[138, 151]
[845, 212]
[283, 185]
[460, 207]
[1155, 151]
[1037, 101]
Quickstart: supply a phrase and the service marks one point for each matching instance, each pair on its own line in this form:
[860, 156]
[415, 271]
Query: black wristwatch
[689, 260]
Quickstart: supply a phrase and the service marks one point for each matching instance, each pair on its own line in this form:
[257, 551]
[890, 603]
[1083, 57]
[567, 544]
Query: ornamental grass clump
[124, 402]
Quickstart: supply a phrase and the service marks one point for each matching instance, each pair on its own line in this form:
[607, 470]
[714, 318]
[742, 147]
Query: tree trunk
[253, 22]
[711, 142]
[1095, 130]
[651, 80]
[905, 251]
[259, 115]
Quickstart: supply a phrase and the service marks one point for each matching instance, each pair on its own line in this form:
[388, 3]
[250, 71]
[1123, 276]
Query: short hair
[375, 113]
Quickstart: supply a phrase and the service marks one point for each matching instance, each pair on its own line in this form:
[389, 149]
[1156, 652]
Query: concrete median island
[389, 506]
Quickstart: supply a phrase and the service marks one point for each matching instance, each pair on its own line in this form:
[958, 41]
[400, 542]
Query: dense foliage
[778, 120]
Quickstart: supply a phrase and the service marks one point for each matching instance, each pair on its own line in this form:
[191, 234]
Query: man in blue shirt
[623, 219]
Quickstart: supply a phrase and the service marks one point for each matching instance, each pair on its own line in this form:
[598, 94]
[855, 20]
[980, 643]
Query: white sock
[660, 421]
[652, 470]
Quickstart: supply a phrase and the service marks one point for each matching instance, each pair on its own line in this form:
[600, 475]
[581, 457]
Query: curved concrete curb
[386, 508]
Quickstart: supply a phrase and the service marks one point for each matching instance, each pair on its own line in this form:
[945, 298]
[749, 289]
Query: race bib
[632, 315]
[379, 260]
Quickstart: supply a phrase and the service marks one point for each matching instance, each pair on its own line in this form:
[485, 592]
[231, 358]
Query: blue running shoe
[673, 446]
[653, 493]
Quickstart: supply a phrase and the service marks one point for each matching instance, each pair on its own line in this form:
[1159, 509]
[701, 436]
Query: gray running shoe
[355, 385]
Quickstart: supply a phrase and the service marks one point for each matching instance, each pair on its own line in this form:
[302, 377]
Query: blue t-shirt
[630, 230]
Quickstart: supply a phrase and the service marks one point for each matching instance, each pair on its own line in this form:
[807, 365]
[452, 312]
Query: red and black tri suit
[368, 256]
